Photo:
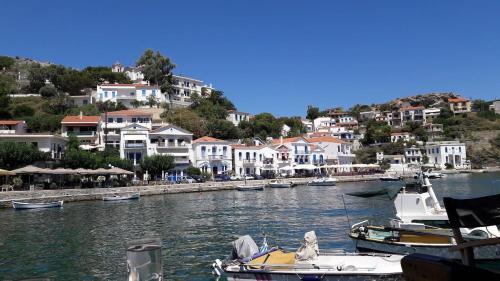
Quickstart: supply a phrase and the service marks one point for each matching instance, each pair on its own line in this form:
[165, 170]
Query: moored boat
[280, 184]
[326, 181]
[250, 187]
[132, 196]
[28, 205]
[248, 263]
[390, 178]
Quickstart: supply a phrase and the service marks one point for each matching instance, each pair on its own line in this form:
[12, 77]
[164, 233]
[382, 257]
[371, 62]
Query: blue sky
[277, 56]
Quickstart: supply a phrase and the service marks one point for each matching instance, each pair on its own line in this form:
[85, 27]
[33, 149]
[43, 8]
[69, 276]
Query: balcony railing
[166, 145]
[135, 145]
[7, 131]
[214, 157]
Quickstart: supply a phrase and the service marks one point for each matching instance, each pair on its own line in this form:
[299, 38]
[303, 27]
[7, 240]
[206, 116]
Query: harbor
[86, 240]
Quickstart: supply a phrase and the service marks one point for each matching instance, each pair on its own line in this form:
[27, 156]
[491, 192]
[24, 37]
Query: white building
[212, 155]
[495, 106]
[459, 105]
[128, 93]
[237, 116]
[250, 160]
[53, 144]
[115, 121]
[447, 152]
[86, 128]
[336, 151]
[413, 155]
[298, 152]
[368, 115]
[323, 123]
[285, 130]
[308, 125]
[412, 114]
[13, 127]
[402, 136]
[431, 114]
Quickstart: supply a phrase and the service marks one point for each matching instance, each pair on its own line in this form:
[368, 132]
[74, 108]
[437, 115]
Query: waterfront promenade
[74, 195]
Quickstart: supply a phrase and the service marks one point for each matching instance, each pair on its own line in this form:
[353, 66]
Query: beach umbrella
[101, 171]
[6, 173]
[120, 171]
[82, 171]
[30, 169]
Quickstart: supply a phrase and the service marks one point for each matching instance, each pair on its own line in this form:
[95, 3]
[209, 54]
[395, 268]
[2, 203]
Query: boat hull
[322, 183]
[249, 188]
[22, 205]
[134, 196]
[390, 179]
[280, 185]
[320, 276]
[480, 253]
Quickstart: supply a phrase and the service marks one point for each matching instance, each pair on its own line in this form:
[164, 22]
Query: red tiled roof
[129, 112]
[457, 100]
[207, 139]
[10, 122]
[127, 85]
[326, 139]
[81, 119]
[286, 140]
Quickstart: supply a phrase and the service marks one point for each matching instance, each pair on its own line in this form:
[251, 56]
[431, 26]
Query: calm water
[86, 240]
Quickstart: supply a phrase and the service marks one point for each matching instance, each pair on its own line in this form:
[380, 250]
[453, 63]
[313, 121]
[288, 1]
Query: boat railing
[305, 266]
[365, 222]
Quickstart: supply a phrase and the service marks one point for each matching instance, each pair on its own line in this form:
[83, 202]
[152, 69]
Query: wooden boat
[132, 196]
[328, 181]
[278, 264]
[279, 184]
[250, 187]
[27, 205]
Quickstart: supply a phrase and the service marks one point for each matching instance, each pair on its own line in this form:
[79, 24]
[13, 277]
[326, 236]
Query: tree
[222, 129]
[23, 110]
[377, 132]
[157, 69]
[14, 155]
[296, 126]
[58, 104]
[186, 119]
[157, 164]
[356, 109]
[109, 106]
[6, 62]
[7, 87]
[136, 103]
[193, 171]
[312, 112]
[263, 125]
[151, 101]
[480, 105]
[73, 142]
[47, 91]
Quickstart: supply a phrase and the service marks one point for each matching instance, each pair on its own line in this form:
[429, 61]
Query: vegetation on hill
[15, 155]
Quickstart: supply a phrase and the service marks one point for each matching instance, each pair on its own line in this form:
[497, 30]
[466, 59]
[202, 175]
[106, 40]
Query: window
[113, 94]
[446, 149]
[110, 120]
[134, 119]
[459, 149]
[240, 156]
[203, 151]
[224, 150]
[154, 93]
[119, 120]
[143, 93]
[105, 94]
[214, 149]
[85, 102]
[131, 93]
[247, 156]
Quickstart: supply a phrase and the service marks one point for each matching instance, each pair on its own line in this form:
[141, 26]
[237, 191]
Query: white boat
[390, 178]
[421, 226]
[280, 184]
[305, 264]
[250, 187]
[327, 181]
[119, 197]
[27, 205]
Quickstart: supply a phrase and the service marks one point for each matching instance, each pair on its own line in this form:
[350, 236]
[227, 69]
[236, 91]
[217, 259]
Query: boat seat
[278, 257]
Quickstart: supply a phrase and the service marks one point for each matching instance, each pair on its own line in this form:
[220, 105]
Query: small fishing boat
[326, 181]
[248, 262]
[280, 184]
[27, 205]
[119, 197]
[433, 175]
[250, 187]
[390, 178]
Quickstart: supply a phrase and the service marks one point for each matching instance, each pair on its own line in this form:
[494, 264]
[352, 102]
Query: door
[214, 170]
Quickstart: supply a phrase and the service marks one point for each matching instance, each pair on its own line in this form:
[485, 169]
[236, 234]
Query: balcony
[81, 133]
[181, 160]
[7, 131]
[214, 157]
[135, 145]
[173, 146]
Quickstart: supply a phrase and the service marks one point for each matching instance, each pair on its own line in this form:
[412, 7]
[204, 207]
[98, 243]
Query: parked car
[186, 179]
[257, 177]
[249, 177]
[222, 177]
[199, 178]
[236, 178]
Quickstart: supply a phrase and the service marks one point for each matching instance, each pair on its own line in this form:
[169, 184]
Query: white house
[53, 144]
[258, 160]
[447, 152]
[402, 136]
[323, 123]
[86, 128]
[237, 116]
[336, 151]
[212, 155]
[412, 114]
[431, 113]
[285, 130]
[459, 105]
[128, 93]
[174, 141]
[13, 127]
[413, 155]
[185, 86]
[495, 106]
[113, 122]
[308, 125]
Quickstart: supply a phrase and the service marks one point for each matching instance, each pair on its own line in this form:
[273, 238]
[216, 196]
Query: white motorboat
[250, 187]
[280, 184]
[390, 178]
[326, 181]
[433, 175]
[421, 226]
[132, 196]
[248, 263]
[27, 205]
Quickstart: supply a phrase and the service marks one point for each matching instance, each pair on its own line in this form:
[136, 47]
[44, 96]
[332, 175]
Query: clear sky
[276, 56]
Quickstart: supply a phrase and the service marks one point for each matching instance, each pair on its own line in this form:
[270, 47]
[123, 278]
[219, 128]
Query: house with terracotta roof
[412, 114]
[459, 105]
[336, 151]
[112, 123]
[212, 155]
[13, 127]
[86, 128]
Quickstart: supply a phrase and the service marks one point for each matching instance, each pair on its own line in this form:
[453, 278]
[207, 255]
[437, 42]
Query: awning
[30, 169]
[120, 171]
[62, 171]
[286, 168]
[6, 173]
[305, 167]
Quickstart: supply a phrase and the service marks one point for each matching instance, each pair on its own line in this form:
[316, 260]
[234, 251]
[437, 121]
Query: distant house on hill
[459, 105]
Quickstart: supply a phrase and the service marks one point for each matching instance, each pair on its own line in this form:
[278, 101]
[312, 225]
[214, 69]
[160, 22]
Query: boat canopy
[309, 249]
[386, 192]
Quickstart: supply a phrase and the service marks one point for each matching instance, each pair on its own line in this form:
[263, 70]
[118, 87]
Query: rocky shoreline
[75, 195]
